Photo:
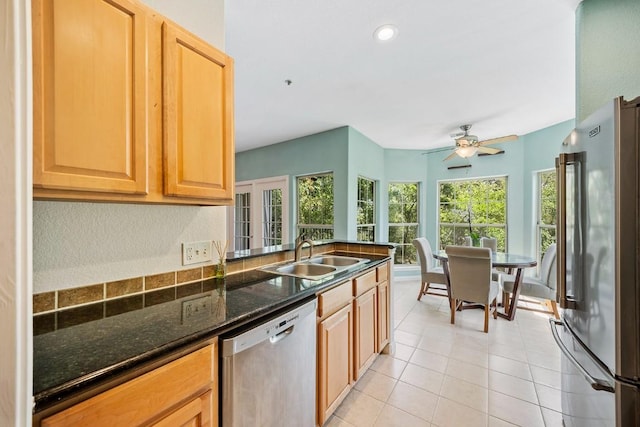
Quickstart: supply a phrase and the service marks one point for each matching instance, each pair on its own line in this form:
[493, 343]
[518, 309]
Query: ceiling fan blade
[488, 150]
[450, 156]
[498, 140]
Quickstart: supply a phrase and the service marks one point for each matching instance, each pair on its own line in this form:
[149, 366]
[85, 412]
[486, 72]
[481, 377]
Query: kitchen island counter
[72, 360]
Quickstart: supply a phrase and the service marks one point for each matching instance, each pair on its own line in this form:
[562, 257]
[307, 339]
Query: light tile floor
[456, 375]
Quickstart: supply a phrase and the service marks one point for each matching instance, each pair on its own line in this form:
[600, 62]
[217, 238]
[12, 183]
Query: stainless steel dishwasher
[269, 372]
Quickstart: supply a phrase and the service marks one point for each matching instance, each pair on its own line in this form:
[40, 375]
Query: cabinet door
[90, 96]
[384, 326]
[365, 331]
[197, 117]
[151, 395]
[196, 413]
[334, 361]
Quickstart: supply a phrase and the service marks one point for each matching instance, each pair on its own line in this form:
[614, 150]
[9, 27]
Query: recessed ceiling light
[385, 33]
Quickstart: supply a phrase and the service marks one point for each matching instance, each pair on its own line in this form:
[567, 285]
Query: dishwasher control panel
[273, 329]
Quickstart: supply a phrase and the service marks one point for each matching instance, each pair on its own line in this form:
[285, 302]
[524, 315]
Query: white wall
[77, 244]
[15, 214]
[204, 18]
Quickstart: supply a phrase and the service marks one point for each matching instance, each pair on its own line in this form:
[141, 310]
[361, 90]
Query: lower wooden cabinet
[183, 392]
[365, 331]
[384, 305]
[196, 413]
[335, 349]
[353, 327]
[384, 321]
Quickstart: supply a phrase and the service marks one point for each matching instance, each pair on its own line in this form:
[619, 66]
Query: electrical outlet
[197, 308]
[195, 252]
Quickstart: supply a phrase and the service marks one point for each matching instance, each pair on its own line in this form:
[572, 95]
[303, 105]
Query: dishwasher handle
[270, 331]
[595, 383]
[282, 335]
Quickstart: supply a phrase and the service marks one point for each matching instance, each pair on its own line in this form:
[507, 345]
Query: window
[546, 221]
[403, 220]
[473, 207]
[315, 206]
[366, 227]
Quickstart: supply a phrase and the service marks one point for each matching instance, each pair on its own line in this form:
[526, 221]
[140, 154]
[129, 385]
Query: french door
[260, 216]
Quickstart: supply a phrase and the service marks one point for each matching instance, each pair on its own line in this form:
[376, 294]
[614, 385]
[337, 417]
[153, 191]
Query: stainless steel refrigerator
[598, 234]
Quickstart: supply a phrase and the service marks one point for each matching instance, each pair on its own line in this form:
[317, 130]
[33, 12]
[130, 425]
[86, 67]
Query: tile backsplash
[159, 287]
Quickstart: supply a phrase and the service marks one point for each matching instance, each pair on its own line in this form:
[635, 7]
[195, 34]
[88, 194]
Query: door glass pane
[272, 217]
[242, 221]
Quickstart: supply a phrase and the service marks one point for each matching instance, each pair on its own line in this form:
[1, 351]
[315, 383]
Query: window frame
[371, 226]
[539, 216]
[404, 224]
[474, 225]
[303, 228]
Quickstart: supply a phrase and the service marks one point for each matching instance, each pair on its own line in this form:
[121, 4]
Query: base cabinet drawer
[182, 392]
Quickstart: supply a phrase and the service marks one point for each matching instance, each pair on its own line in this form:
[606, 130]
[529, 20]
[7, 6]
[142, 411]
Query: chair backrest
[548, 266]
[424, 253]
[489, 242]
[468, 241]
[469, 273]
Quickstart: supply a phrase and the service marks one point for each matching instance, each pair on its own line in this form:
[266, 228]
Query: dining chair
[429, 273]
[491, 243]
[470, 280]
[468, 241]
[542, 287]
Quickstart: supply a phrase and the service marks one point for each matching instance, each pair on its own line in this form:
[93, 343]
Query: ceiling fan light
[385, 33]
[466, 151]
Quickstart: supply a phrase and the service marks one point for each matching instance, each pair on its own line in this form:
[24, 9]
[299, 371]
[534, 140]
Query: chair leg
[454, 306]
[422, 285]
[486, 318]
[505, 301]
[554, 308]
[495, 308]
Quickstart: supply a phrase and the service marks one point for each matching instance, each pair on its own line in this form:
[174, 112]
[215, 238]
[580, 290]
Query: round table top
[499, 259]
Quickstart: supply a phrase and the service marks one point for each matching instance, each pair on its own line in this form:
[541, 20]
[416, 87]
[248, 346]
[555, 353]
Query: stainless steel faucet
[299, 246]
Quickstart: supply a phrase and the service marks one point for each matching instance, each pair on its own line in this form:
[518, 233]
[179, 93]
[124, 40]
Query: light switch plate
[196, 252]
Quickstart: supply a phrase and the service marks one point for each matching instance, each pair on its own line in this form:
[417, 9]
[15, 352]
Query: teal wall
[607, 53]
[407, 166]
[366, 159]
[349, 154]
[321, 152]
[521, 160]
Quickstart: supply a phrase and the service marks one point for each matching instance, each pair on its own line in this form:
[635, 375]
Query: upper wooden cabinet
[90, 96]
[197, 110]
[128, 107]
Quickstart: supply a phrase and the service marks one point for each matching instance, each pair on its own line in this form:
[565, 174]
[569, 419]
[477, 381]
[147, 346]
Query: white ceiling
[506, 66]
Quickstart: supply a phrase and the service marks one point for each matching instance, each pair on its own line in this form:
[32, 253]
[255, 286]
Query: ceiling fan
[468, 145]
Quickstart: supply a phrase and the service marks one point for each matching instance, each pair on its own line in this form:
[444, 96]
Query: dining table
[507, 260]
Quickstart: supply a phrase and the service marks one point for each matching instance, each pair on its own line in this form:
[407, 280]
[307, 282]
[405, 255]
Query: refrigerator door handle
[562, 161]
[596, 383]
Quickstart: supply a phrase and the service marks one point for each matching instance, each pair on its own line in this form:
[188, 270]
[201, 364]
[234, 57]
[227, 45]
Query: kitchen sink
[315, 268]
[306, 269]
[338, 261]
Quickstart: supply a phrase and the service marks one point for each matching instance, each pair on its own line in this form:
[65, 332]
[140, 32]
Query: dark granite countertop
[71, 360]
